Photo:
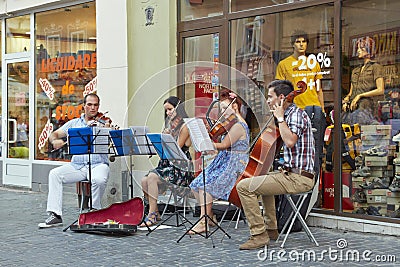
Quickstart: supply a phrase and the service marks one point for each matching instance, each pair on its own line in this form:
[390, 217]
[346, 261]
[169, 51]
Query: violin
[100, 120]
[264, 149]
[173, 125]
[221, 128]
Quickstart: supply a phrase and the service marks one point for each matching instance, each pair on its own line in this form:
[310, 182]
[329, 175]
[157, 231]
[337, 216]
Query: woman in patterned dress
[169, 172]
[230, 162]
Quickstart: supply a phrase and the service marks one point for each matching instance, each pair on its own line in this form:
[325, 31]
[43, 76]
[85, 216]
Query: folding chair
[177, 200]
[296, 215]
[238, 213]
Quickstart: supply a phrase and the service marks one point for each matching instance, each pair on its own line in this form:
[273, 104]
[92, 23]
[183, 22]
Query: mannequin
[367, 84]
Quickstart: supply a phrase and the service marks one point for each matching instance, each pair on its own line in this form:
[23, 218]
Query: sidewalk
[23, 244]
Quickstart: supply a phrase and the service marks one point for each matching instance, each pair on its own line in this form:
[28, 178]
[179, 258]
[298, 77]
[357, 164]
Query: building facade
[135, 53]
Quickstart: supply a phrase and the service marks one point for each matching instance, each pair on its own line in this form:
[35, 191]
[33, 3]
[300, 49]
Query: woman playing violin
[229, 163]
[179, 174]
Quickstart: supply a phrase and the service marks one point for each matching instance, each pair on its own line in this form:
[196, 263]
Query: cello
[263, 149]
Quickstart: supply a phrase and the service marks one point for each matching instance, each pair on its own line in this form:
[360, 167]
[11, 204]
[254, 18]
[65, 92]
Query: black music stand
[130, 142]
[168, 149]
[203, 144]
[88, 140]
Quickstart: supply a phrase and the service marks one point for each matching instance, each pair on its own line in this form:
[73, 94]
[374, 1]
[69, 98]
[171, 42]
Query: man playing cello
[295, 176]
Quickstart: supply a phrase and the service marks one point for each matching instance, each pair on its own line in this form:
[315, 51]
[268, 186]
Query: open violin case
[119, 218]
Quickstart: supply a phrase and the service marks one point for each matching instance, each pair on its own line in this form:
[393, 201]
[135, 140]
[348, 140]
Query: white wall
[112, 64]
[151, 49]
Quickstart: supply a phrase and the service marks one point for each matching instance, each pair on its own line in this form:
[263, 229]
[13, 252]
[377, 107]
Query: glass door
[201, 59]
[16, 146]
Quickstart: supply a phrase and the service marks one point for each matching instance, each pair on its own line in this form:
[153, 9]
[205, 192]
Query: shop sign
[386, 42]
[91, 87]
[45, 134]
[47, 88]
[69, 63]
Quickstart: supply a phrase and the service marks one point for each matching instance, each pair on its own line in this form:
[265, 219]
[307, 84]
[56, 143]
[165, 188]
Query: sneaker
[377, 183]
[256, 241]
[371, 210]
[395, 186]
[396, 138]
[359, 196]
[360, 211]
[395, 214]
[361, 172]
[53, 221]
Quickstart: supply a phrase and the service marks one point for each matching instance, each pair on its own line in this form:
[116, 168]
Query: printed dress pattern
[224, 170]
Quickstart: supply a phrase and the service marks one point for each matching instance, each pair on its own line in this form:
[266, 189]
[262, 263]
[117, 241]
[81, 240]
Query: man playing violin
[295, 176]
[77, 169]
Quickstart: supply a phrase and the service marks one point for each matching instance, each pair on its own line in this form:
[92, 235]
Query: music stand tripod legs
[90, 183]
[176, 213]
[206, 217]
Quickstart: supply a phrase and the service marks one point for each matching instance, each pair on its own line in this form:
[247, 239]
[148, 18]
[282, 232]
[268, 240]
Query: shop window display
[65, 70]
[370, 86]
[275, 47]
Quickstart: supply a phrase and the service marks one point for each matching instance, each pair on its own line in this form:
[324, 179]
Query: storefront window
[18, 34]
[197, 9]
[65, 70]
[295, 45]
[240, 5]
[371, 109]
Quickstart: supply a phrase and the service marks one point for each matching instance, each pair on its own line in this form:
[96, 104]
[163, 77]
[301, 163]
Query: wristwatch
[280, 119]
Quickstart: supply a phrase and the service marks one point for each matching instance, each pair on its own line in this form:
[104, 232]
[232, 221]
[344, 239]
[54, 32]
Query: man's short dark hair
[91, 94]
[298, 34]
[283, 87]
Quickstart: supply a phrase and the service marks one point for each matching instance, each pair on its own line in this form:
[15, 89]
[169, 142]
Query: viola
[221, 128]
[264, 149]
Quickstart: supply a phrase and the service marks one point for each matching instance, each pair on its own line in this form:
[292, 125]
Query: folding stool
[292, 218]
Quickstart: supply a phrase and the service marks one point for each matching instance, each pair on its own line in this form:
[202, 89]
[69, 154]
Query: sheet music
[166, 146]
[101, 142]
[199, 135]
[143, 143]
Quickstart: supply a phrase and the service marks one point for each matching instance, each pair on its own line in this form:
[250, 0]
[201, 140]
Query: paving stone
[23, 244]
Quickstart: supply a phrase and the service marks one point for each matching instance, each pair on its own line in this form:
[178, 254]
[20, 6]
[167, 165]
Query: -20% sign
[311, 61]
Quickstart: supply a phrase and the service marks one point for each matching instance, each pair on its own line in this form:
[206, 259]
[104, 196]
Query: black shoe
[371, 210]
[360, 211]
[53, 221]
[395, 214]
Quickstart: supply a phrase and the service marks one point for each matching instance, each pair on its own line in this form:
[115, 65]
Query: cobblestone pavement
[23, 244]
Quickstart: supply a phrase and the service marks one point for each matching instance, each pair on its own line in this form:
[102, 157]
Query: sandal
[199, 228]
[150, 220]
[213, 222]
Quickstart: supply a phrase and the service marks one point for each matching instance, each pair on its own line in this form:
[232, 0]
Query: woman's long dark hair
[179, 107]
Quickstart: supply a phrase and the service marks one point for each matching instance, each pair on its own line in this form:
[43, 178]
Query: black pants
[318, 122]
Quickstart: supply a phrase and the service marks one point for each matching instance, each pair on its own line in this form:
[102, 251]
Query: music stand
[203, 144]
[88, 140]
[168, 149]
[130, 142]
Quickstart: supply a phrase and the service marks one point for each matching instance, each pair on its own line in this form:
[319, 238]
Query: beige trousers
[267, 186]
